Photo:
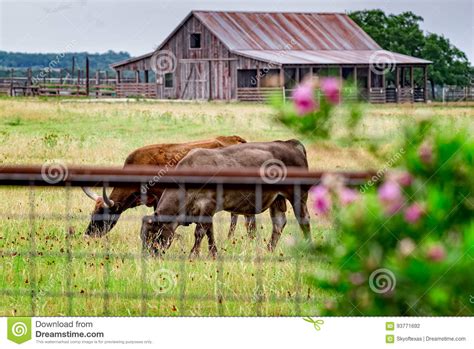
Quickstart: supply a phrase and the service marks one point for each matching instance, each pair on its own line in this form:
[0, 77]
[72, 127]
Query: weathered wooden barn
[247, 55]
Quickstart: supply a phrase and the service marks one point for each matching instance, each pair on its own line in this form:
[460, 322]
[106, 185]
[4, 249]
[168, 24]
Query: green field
[109, 276]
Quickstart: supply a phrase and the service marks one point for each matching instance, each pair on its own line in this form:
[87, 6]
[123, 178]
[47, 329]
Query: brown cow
[200, 205]
[108, 209]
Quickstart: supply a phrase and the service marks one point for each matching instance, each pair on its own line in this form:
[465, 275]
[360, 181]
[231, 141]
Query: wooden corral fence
[458, 94]
[146, 90]
[79, 83]
[260, 94]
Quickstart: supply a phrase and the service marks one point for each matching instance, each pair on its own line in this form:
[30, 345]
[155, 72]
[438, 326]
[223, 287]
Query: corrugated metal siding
[330, 57]
[278, 31]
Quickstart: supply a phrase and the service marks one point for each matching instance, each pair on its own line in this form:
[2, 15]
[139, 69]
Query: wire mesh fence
[58, 259]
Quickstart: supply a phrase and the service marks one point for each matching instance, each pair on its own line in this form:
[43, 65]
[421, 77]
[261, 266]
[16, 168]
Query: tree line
[402, 33]
[39, 61]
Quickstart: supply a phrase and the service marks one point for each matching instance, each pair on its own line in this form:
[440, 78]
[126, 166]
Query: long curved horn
[108, 203]
[88, 191]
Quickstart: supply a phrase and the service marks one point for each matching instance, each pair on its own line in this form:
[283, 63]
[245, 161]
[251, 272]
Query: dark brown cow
[200, 205]
[108, 209]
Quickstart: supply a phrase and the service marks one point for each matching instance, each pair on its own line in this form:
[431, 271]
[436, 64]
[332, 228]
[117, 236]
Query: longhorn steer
[200, 205]
[108, 209]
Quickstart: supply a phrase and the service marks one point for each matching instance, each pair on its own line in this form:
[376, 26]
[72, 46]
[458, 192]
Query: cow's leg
[300, 208]
[211, 240]
[199, 233]
[251, 225]
[278, 216]
[233, 224]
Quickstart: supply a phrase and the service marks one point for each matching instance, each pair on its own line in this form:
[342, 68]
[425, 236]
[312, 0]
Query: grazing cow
[108, 209]
[200, 205]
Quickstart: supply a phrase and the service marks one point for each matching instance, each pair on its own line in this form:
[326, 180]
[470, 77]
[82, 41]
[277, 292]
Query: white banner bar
[229, 333]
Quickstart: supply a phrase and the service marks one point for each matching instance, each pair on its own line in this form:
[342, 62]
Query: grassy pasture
[89, 281]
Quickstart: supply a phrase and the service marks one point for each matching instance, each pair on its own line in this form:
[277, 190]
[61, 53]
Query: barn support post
[369, 83]
[117, 77]
[137, 76]
[258, 75]
[147, 78]
[384, 82]
[425, 83]
[397, 84]
[356, 85]
[282, 82]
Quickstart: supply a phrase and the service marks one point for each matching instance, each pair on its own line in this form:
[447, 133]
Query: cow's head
[156, 234]
[105, 215]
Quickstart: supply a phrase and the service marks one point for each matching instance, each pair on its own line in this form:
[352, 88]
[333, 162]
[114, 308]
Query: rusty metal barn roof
[292, 38]
[286, 31]
[331, 57]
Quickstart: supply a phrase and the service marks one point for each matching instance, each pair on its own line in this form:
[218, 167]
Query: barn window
[195, 40]
[169, 80]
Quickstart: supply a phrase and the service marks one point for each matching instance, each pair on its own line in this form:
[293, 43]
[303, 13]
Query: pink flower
[391, 196]
[413, 213]
[304, 99]
[436, 253]
[347, 196]
[404, 179]
[322, 199]
[425, 152]
[331, 88]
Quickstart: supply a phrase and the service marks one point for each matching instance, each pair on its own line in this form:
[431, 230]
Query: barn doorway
[195, 81]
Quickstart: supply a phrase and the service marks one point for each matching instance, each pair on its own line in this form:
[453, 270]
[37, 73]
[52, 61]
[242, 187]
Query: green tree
[450, 65]
[402, 33]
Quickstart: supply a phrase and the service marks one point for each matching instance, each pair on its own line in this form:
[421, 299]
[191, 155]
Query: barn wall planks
[206, 73]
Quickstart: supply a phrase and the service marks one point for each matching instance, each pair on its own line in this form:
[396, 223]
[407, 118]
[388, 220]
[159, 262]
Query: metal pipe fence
[31, 269]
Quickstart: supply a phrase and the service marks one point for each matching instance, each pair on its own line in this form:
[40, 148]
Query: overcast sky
[139, 26]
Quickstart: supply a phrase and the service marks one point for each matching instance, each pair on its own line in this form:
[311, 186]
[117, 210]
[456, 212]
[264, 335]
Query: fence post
[87, 76]
[97, 83]
[11, 82]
